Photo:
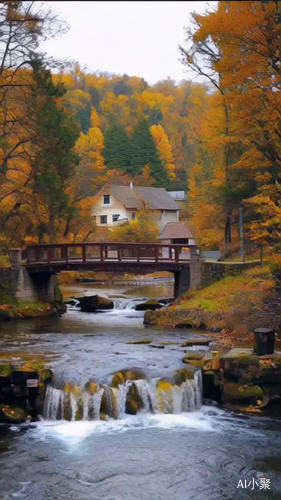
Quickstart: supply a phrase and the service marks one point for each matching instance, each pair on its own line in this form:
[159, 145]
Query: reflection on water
[197, 455]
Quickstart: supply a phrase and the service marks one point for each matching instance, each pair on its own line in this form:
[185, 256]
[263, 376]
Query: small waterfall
[91, 405]
[156, 396]
[126, 304]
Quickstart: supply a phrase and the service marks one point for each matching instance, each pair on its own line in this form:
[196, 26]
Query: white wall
[115, 207]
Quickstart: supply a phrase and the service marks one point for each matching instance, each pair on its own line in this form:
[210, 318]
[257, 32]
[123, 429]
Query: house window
[133, 215]
[106, 199]
[103, 219]
[115, 217]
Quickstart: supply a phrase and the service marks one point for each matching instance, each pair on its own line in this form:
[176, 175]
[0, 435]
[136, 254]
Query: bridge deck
[111, 256]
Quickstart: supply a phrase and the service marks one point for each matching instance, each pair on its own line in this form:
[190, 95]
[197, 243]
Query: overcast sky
[136, 38]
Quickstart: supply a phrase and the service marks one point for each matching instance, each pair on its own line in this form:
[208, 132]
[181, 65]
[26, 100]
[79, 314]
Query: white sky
[136, 38]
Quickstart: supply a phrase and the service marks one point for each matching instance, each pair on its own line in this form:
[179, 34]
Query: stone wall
[16, 282]
[214, 271]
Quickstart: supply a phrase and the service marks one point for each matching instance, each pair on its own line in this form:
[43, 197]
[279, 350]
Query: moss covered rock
[151, 304]
[133, 401]
[184, 374]
[12, 414]
[242, 394]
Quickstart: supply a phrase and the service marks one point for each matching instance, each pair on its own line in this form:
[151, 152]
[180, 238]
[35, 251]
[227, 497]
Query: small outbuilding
[177, 233]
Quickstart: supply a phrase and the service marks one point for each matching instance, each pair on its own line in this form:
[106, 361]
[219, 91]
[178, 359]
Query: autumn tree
[164, 149]
[141, 229]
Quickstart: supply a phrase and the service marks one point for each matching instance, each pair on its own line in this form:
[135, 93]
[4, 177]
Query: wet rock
[133, 401]
[157, 346]
[140, 341]
[122, 376]
[193, 355]
[151, 305]
[184, 374]
[191, 342]
[212, 385]
[12, 414]
[242, 394]
[103, 416]
[90, 303]
[92, 387]
[104, 303]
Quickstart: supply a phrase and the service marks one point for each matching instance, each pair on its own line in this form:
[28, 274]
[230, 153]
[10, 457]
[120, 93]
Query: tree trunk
[227, 230]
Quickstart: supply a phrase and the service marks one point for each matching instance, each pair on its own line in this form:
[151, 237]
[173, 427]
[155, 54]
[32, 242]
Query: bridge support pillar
[195, 268]
[182, 281]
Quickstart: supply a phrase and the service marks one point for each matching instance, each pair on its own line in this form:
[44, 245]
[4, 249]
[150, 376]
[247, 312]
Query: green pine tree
[55, 135]
[144, 151]
[116, 147]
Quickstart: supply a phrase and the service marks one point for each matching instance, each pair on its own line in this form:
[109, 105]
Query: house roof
[127, 196]
[157, 198]
[138, 196]
[174, 230]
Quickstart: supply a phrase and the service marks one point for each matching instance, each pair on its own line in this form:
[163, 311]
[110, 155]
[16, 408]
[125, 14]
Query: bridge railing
[102, 252]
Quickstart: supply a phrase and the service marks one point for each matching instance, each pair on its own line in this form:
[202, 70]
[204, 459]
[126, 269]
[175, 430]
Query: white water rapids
[64, 405]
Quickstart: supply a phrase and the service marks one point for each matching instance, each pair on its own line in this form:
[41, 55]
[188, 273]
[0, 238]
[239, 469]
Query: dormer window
[106, 199]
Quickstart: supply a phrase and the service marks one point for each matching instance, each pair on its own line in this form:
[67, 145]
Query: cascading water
[127, 304]
[155, 397]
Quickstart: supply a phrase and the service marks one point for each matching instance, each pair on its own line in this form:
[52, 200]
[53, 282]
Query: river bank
[233, 307]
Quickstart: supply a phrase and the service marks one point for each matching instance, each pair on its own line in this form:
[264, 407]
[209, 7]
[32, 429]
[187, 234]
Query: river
[208, 453]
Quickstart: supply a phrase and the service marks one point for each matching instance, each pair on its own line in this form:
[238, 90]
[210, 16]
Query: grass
[250, 286]
[235, 304]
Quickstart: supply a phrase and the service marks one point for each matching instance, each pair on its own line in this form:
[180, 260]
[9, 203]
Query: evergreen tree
[55, 134]
[116, 147]
[143, 152]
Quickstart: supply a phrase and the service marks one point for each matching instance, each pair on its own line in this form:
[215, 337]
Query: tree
[164, 149]
[143, 152]
[142, 229]
[236, 47]
[53, 158]
[116, 147]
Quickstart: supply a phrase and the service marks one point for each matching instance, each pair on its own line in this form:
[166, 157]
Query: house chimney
[131, 185]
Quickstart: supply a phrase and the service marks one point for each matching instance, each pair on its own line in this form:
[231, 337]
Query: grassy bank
[233, 304]
[25, 310]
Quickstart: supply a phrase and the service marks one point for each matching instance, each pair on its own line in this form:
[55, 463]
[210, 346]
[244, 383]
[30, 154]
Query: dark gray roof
[127, 196]
[157, 198]
[174, 230]
[136, 197]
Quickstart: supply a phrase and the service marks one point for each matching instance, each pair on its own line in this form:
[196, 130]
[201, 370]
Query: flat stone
[141, 341]
[191, 342]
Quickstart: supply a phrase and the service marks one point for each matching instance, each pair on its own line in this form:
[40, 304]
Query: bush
[275, 268]
[5, 262]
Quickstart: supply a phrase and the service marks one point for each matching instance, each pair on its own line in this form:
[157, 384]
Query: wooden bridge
[139, 258]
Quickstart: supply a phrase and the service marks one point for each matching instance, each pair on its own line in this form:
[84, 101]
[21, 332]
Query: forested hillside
[66, 132]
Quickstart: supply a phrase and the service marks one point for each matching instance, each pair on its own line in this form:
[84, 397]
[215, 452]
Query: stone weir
[130, 392]
[29, 395]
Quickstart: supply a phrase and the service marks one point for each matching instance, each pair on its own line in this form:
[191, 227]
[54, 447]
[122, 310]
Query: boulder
[12, 414]
[151, 304]
[242, 394]
[90, 303]
[133, 401]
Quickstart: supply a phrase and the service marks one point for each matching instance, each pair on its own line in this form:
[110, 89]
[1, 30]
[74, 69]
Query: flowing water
[174, 448]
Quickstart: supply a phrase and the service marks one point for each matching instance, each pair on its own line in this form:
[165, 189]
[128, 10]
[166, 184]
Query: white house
[116, 204]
